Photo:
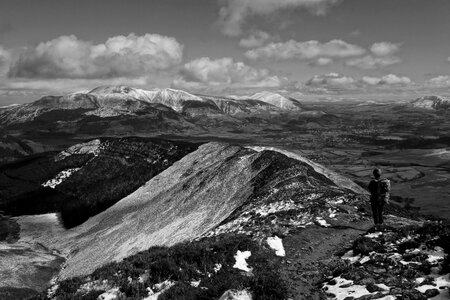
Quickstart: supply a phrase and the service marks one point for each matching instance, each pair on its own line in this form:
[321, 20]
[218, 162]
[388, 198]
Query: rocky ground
[406, 259]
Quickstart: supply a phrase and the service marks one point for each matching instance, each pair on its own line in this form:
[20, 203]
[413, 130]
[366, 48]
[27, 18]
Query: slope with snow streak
[206, 188]
[277, 100]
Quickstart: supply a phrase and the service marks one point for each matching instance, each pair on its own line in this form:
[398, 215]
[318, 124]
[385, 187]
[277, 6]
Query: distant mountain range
[432, 102]
[113, 101]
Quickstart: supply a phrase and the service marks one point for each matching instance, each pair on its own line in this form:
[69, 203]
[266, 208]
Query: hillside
[86, 178]
[216, 185]
[277, 100]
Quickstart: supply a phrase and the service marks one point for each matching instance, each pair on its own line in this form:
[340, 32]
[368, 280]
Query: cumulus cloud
[233, 13]
[441, 81]
[332, 80]
[224, 73]
[254, 40]
[384, 48]
[308, 50]
[119, 56]
[389, 79]
[335, 82]
[382, 56]
[371, 62]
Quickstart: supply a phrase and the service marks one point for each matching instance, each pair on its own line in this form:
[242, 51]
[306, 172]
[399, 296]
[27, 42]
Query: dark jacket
[374, 189]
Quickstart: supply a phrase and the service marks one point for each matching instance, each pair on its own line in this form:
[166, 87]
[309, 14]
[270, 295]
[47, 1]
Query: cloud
[234, 13]
[119, 56]
[224, 73]
[321, 61]
[64, 85]
[384, 48]
[332, 80]
[308, 50]
[254, 40]
[371, 62]
[441, 81]
[387, 80]
[335, 83]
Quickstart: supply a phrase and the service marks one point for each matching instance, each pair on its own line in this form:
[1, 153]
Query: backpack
[384, 189]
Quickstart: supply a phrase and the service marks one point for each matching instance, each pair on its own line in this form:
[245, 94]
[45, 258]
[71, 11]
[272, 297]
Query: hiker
[379, 195]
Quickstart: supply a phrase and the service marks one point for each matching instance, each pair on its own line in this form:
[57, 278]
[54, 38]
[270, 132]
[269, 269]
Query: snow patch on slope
[91, 147]
[60, 177]
[241, 260]
[275, 243]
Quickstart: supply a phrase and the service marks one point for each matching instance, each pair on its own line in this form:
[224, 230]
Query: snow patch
[111, 294]
[217, 268]
[442, 282]
[91, 147]
[236, 295]
[241, 262]
[351, 257]
[373, 235]
[436, 255]
[278, 206]
[195, 283]
[276, 244]
[320, 221]
[95, 285]
[364, 259]
[60, 177]
[345, 288]
[157, 289]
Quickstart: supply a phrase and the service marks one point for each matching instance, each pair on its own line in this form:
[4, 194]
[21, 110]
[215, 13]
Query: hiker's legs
[374, 211]
[380, 212]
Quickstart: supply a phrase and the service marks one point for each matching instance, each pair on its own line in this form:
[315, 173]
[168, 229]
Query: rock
[364, 245]
[371, 287]
[411, 295]
[236, 295]
[332, 282]
[431, 293]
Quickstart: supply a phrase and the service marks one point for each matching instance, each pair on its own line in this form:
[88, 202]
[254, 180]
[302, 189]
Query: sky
[297, 47]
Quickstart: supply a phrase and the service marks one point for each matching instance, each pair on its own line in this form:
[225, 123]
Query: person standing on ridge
[379, 195]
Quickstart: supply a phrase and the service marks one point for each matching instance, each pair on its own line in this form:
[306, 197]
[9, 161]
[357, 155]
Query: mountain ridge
[116, 101]
[432, 103]
[196, 194]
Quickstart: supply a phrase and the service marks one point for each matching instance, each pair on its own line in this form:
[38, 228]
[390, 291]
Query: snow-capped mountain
[169, 97]
[431, 102]
[116, 101]
[277, 100]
